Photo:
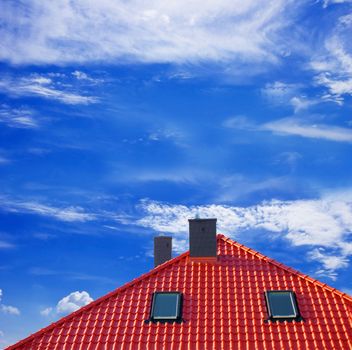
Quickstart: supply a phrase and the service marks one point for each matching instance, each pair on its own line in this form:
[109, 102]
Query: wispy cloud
[286, 94]
[183, 31]
[293, 126]
[240, 122]
[185, 176]
[68, 214]
[8, 309]
[17, 117]
[4, 160]
[326, 3]
[334, 63]
[79, 75]
[167, 135]
[331, 263]
[70, 275]
[289, 159]
[6, 245]
[317, 222]
[321, 223]
[45, 87]
[44, 236]
[68, 304]
[300, 103]
[236, 186]
[279, 92]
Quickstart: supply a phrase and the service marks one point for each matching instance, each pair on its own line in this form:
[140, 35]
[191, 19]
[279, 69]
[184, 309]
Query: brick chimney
[202, 238]
[162, 249]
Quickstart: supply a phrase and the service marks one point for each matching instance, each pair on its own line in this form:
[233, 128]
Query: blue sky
[121, 120]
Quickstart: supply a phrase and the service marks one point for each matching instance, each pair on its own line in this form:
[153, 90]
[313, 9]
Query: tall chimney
[162, 249]
[202, 238]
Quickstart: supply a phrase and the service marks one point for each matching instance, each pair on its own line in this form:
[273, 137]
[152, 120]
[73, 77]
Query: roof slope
[223, 308]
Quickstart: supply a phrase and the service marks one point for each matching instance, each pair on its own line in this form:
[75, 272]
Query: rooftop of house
[224, 305]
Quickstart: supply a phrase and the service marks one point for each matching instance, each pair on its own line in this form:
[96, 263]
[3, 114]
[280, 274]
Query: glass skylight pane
[166, 305]
[281, 304]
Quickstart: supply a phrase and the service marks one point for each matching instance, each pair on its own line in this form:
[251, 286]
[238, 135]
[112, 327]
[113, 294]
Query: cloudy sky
[120, 120]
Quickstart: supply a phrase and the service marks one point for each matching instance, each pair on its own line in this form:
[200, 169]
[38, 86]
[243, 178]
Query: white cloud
[73, 302]
[46, 312]
[79, 75]
[326, 3]
[292, 126]
[160, 134]
[317, 222]
[155, 31]
[68, 214]
[326, 273]
[68, 304]
[8, 309]
[179, 245]
[330, 262]
[44, 87]
[334, 63]
[301, 103]
[346, 248]
[336, 87]
[238, 122]
[323, 223]
[279, 92]
[11, 310]
[156, 175]
[17, 117]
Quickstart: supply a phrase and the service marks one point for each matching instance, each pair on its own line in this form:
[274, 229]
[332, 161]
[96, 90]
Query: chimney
[202, 238]
[162, 249]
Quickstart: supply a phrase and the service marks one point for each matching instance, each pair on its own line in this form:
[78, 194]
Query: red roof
[223, 308]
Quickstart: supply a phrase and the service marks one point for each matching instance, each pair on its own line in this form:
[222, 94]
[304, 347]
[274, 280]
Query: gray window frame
[295, 316]
[178, 308]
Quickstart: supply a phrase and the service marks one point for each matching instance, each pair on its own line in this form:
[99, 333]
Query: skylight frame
[289, 317]
[171, 318]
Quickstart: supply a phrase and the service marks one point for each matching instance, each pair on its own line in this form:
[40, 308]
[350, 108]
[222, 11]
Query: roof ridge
[99, 300]
[164, 266]
[285, 267]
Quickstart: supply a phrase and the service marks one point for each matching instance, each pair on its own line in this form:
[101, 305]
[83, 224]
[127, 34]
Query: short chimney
[202, 238]
[162, 249]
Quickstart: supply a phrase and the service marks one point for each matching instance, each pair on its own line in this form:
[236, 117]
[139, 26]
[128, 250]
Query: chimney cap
[202, 238]
[162, 249]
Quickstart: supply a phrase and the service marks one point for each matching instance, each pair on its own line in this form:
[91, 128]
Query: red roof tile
[223, 308]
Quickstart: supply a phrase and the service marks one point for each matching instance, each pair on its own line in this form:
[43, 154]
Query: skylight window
[282, 304]
[166, 306]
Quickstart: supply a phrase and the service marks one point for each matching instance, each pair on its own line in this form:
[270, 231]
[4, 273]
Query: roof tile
[223, 307]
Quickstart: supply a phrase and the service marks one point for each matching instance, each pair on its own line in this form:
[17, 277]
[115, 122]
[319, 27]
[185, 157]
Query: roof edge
[97, 301]
[165, 265]
[286, 268]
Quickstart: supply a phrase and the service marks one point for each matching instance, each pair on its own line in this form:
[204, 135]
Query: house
[218, 295]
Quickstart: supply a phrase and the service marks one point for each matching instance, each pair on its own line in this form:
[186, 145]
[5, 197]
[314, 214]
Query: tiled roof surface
[223, 308]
